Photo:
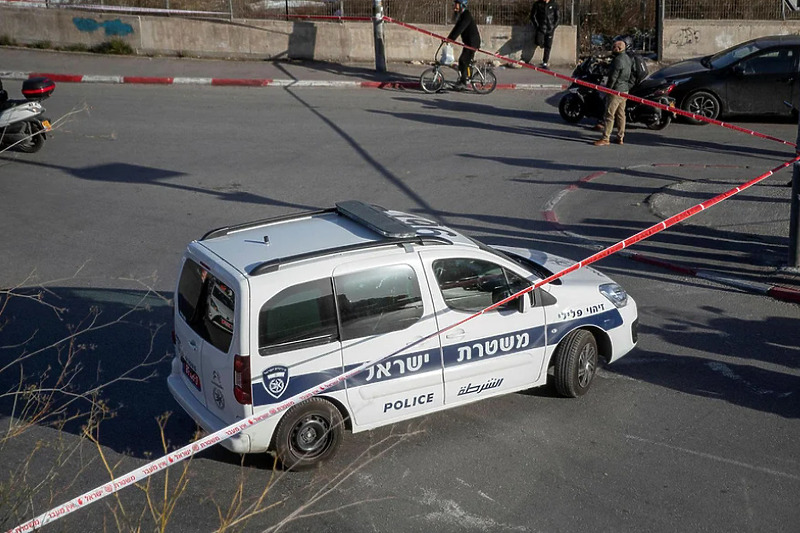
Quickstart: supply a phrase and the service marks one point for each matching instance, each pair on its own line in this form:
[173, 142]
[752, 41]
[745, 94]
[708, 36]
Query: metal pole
[377, 30]
[659, 30]
[287, 9]
[794, 218]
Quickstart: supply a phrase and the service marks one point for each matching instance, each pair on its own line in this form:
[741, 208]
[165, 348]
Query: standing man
[468, 31]
[544, 17]
[619, 79]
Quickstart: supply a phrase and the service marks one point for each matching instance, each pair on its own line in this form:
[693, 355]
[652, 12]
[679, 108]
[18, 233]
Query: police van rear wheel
[308, 434]
[576, 361]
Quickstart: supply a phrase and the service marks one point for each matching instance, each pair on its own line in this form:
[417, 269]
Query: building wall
[323, 41]
[684, 38]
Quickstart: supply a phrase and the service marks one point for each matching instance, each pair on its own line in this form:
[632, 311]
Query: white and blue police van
[270, 309]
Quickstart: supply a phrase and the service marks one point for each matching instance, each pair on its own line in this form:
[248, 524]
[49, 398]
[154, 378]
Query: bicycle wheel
[432, 80]
[483, 83]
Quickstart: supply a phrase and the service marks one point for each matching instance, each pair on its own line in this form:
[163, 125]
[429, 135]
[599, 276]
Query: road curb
[250, 82]
[777, 292]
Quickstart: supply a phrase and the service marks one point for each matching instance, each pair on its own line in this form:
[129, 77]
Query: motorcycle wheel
[431, 80]
[661, 123]
[570, 108]
[34, 141]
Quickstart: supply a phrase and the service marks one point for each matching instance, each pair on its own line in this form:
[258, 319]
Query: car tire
[576, 360]
[570, 108]
[702, 103]
[308, 434]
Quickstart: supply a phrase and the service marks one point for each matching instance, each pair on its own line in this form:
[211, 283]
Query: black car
[752, 78]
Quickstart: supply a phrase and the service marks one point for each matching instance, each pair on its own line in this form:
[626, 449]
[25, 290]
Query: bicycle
[481, 76]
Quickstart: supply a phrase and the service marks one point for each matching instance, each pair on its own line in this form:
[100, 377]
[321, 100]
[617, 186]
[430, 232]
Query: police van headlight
[615, 294]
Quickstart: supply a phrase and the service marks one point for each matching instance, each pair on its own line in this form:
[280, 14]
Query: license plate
[47, 126]
[191, 374]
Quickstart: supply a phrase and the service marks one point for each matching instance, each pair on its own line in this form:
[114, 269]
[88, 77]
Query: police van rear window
[207, 305]
[298, 317]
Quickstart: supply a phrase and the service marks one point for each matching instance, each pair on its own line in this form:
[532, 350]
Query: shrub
[114, 46]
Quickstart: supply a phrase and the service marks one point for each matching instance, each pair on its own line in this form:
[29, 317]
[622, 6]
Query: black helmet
[627, 39]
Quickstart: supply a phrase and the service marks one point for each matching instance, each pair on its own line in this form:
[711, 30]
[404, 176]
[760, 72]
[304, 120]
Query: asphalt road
[696, 430]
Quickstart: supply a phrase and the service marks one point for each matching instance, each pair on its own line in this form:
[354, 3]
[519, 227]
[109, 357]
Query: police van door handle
[415, 340]
[456, 334]
[193, 344]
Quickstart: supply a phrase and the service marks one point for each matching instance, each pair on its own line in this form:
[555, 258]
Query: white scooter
[22, 126]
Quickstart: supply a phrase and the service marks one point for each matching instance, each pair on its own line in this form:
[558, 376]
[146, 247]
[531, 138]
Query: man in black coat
[468, 31]
[544, 17]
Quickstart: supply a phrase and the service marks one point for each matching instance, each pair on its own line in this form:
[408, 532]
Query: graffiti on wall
[112, 28]
[685, 37]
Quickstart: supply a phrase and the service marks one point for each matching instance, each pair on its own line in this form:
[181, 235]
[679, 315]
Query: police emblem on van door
[276, 379]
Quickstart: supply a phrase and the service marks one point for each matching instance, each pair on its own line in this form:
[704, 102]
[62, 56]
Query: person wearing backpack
[544, 17]
[619, 79]
[639, 69]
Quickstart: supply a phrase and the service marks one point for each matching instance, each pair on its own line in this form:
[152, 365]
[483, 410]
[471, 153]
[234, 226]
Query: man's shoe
[544, 65]
[460, 86]
[619, 140]
[601, 142]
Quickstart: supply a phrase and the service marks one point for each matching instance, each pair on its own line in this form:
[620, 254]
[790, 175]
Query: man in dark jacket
[619, 79]
[468, 31]
[544, 17]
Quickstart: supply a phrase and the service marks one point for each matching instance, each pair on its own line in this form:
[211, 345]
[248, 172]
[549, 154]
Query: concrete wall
[323, 41]
[684, 38]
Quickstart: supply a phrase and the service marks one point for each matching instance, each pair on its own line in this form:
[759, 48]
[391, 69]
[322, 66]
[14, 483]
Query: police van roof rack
[219, 232]
[367, 215]
[274, 264]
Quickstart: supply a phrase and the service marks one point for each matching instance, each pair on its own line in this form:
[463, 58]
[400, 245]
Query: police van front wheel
[308, 434]
[576, 361]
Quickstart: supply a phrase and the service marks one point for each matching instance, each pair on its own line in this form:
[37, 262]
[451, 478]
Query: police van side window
[377, 301]
[300, 316]
[207, 305]
[473, 284]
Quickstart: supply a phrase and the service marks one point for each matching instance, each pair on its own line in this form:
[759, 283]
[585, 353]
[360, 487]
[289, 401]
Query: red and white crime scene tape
[193, 448]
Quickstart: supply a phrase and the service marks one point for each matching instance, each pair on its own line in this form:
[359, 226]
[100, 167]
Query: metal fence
[501, 12]
[606, 16]
[729, 9]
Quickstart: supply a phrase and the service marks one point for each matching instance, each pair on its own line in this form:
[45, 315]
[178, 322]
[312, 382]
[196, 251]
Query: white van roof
[265, 245]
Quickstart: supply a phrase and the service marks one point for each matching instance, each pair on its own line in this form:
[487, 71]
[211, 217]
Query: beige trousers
[615, 112]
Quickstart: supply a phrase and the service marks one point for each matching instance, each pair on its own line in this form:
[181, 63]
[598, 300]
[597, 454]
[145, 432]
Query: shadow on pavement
[115, 341]
[746, 369]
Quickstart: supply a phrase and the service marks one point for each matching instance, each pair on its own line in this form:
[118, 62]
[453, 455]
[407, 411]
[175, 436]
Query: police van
[269, 309]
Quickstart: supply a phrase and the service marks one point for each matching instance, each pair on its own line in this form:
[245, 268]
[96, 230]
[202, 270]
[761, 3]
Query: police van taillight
[241, 379]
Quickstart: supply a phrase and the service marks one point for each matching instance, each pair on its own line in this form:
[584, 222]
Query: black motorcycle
[581, 101]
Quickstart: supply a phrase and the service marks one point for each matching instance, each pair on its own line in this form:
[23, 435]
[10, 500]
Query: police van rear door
[208, 330]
